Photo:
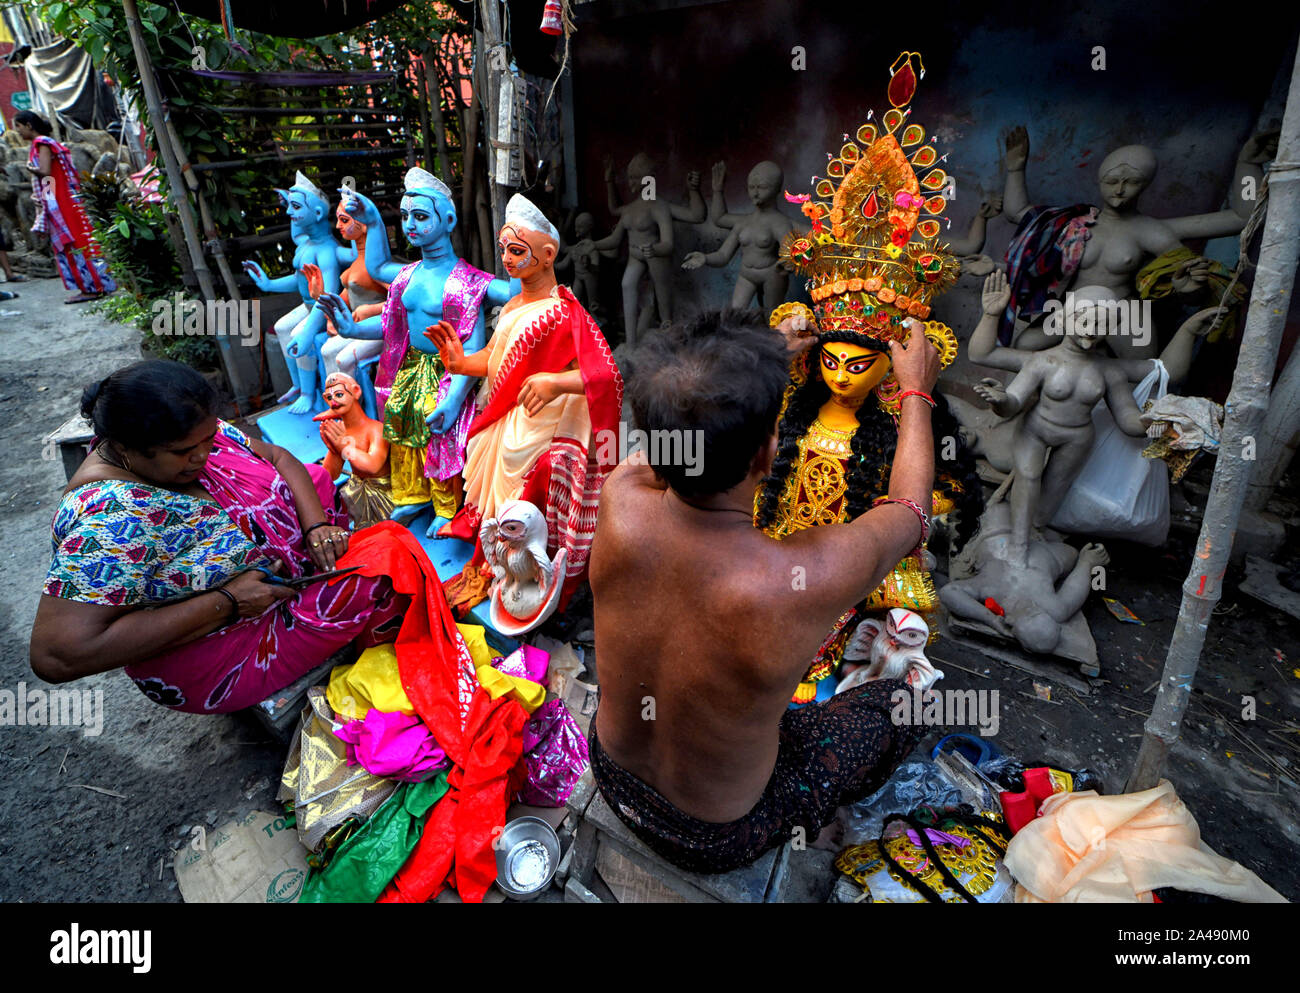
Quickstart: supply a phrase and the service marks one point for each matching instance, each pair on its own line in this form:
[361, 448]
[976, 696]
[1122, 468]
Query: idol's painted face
[420, 221]
[338, 398]
[516, 253]
[350, 228]
[296, 208]
[852, 371]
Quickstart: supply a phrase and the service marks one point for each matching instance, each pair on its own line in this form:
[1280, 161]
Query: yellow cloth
[1156, 280]
[1085, 848]
[524, 692]
[371, 683]
[476, 641]
[411, 485]
[499, 457]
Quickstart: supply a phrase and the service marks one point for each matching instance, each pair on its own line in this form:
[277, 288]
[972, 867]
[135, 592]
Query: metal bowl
[528, 853]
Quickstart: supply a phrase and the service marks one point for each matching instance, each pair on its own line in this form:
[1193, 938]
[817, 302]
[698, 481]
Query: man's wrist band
[917, 393]
[921, 515]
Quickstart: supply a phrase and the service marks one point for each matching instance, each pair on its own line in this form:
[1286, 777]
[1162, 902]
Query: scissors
[302, 581]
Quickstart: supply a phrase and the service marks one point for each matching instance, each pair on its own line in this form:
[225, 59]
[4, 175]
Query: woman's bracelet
[322, 524]
[234, 603]
[921, 515]
[916, 393]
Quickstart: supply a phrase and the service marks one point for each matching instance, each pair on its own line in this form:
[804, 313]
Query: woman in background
[56, 188]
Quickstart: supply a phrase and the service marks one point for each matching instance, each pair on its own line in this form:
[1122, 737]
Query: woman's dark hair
[34, 121]
[720, 374]
[148, 404]
[873, 445]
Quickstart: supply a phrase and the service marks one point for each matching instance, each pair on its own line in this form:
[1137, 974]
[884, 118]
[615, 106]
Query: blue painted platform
[449, 556]
[296, 432]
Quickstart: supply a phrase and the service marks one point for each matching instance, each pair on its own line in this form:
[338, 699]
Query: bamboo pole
[174, 177]
[1246, 407]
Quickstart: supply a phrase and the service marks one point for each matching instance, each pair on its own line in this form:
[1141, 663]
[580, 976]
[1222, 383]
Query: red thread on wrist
[916, 393]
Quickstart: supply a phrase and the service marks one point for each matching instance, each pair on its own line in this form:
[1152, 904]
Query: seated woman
[158, 543]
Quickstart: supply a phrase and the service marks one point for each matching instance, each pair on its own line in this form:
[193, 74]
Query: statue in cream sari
[551, 392]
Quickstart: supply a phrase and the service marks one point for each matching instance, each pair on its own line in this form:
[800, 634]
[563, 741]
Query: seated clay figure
[526, 584]
[354, 438]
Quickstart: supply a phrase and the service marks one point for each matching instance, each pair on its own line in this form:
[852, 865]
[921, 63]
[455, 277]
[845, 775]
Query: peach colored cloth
[499, 457]
[1085, 848]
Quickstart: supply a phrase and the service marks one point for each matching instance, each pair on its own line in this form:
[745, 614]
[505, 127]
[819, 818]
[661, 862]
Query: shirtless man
[706, 625]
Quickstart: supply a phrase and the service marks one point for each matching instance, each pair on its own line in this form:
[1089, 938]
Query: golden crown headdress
[872, 257]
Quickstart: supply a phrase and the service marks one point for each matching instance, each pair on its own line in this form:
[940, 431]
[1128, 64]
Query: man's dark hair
[148, 404]
[721, 374]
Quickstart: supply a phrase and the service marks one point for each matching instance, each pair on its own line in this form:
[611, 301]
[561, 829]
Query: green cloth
[370, 858]
[414, 396]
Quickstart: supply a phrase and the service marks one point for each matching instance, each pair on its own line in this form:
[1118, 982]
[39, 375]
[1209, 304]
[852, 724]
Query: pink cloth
[462, 296]
[394, 745]
[555, 755]
[243, 663]
[525, 662]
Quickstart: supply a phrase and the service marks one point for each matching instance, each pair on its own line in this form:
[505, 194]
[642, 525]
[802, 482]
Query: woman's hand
[326, 545]
[254, 594]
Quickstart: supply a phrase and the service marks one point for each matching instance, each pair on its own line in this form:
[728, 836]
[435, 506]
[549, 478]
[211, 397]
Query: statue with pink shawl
[423, 407]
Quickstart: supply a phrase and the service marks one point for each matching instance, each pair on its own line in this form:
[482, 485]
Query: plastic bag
[1118, 493]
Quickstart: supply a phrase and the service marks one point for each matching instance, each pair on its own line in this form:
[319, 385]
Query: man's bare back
[704, 625]
[699, 626]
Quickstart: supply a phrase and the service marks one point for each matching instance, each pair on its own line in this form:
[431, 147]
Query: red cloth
[482, 737]
[457, 843]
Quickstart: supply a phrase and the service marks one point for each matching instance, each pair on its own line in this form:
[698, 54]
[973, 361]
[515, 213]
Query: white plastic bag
[1118, 493]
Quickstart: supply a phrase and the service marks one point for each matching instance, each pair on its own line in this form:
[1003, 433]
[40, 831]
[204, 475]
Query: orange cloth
[1085, 848]
[482, 737]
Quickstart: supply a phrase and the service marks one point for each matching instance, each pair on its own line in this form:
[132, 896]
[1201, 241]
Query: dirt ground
[61, 841]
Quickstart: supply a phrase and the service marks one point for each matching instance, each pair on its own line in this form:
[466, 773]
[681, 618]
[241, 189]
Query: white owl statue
[894, 649]
[526, 584]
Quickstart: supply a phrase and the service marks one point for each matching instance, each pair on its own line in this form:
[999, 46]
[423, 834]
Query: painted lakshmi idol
[871, 280]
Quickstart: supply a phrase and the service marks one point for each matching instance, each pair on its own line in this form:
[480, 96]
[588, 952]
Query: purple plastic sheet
[555, 755]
